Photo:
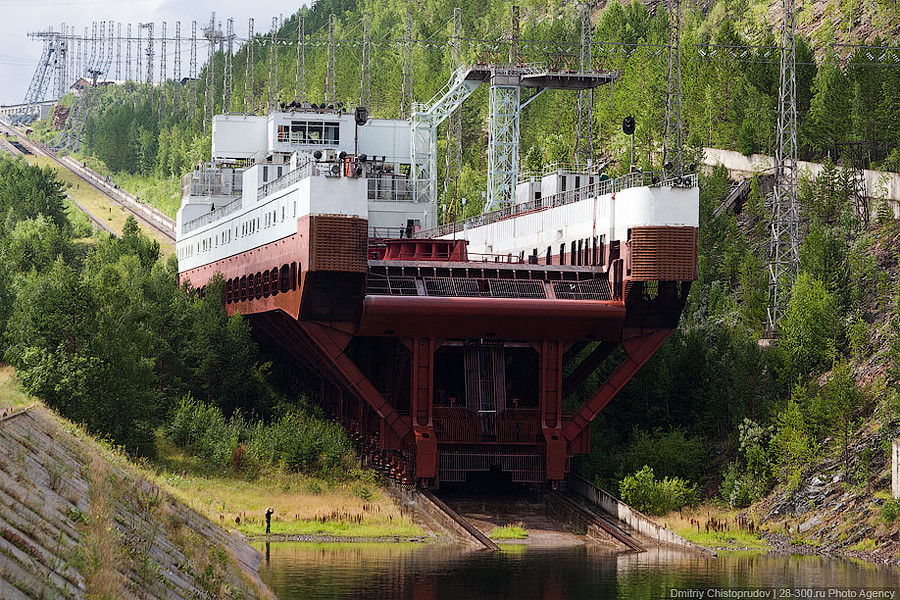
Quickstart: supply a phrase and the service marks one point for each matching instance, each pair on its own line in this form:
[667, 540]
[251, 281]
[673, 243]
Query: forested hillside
[730, 419]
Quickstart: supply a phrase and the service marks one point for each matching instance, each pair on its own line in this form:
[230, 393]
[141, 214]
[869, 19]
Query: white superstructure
[267, 171]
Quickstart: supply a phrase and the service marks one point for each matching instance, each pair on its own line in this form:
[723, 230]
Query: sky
[19, 54]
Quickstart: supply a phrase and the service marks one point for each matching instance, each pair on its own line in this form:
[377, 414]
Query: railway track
[146, 215]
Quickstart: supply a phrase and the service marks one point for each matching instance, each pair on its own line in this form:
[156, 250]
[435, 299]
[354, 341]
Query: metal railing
[211, 181]
[599, 188]
[212, 216]
[307, 169]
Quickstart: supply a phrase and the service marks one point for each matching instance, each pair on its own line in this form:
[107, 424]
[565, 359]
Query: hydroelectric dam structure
[441, 345]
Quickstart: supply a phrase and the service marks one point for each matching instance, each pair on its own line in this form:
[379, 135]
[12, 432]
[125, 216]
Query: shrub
[297, 441]
[890, 510]
[669, 453]
[655, 497]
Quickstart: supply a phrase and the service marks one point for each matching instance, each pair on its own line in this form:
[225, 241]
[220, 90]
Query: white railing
[307, 169]
[600, 188]
[212, 216]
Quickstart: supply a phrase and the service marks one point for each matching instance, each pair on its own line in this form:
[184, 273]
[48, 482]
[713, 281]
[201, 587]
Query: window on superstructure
[283, 133]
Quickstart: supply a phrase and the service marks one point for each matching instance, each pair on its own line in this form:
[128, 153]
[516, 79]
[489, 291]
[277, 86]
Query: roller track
[147, 216]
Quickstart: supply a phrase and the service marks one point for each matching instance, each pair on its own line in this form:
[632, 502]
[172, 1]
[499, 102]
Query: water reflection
[433, 572]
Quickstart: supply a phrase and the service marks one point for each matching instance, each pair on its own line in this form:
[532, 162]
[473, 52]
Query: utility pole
[672, 149]
[300, 83]
[784, 256]
[584, 134]
[365, 80]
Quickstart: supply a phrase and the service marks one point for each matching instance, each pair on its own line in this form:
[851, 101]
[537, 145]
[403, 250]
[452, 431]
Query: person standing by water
[269, 512]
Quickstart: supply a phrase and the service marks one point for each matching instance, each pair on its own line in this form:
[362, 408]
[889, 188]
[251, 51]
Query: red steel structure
[441, 364]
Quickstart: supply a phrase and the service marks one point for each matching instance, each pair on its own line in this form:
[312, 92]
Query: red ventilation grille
[338, 244]
[663, 254]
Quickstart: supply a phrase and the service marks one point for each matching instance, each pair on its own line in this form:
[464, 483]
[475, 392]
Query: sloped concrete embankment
[77, 521]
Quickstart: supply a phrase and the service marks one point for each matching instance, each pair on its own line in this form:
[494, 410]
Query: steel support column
[503, 144]
[330, 344]
[551, 409]
[422, 396]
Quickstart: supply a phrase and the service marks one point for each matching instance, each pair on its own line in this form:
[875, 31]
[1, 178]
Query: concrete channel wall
[895, 469]
[64, 496]
[636, 521]
[150, 214]
[738, 165]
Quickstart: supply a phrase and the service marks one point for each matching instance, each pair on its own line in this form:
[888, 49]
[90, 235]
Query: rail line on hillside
[146, 215]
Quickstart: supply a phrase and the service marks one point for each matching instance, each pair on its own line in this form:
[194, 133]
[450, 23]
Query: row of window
[262, 284]
[310, 133]
[582, 253]
[246, 227]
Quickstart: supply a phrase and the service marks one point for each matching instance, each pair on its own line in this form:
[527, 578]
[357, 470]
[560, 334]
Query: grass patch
[304, 505]
[11, 393]
[713, 527]
[864, 545]
[99, 205]
[163, 193]
[513, 531]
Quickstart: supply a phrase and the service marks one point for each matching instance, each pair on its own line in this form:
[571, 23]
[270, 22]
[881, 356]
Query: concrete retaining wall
[895, 469]
[638, 522]
[744, 166]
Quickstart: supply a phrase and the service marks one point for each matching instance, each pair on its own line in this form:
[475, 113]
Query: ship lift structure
[505, 108]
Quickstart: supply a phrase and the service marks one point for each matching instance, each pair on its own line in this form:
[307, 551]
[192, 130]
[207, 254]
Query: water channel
[295, 570]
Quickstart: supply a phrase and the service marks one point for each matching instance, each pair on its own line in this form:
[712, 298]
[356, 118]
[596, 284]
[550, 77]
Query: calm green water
[424, 572]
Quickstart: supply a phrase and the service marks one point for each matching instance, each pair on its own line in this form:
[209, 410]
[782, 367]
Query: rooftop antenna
[784, 253]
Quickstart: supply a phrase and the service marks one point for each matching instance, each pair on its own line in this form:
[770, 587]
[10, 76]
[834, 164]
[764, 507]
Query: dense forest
[713, 414]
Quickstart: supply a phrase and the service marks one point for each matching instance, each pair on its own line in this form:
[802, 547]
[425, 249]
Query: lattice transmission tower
[365, 77]
[453, 164]
[784, 256]
[406, 90]
[673, 145]
[584, 134]
[300, 80]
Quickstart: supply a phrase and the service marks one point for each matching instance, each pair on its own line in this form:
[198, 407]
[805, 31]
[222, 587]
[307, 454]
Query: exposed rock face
[77, 521]
[60, 116]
